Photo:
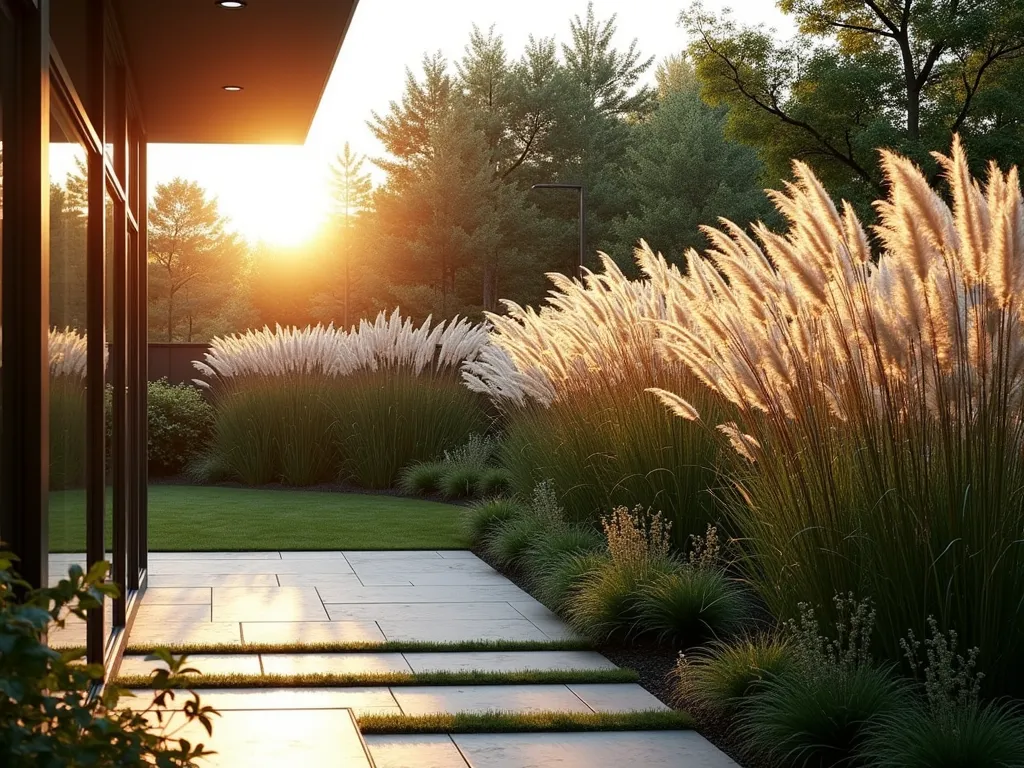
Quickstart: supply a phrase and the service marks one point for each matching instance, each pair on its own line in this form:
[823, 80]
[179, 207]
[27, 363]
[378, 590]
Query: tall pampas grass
[571, 379]
[878, 439]
[311, 405]
[67, 355]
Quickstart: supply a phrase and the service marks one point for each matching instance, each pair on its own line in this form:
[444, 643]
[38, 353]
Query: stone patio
[244, 598]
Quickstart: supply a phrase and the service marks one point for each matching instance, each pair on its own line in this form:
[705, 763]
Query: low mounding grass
[421, 478]
[508, 543]
[460, 481]
[720, 677]
[984, 735]
[194, 518]
[545, 552]
[820, 717]
[328, 680]
[536, 722]
[691, 605]
[493, 481]
[557, 582]
[605, 605]
[392, 646]
[482, 518]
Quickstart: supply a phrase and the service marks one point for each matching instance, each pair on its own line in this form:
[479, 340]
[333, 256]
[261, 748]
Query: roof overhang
[183, 52]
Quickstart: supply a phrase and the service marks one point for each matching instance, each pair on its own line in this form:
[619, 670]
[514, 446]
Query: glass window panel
[6, 62]
[67, 352]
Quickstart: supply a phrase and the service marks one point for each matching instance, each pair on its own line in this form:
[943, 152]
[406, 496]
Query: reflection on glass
[67, 351]
[5, 46]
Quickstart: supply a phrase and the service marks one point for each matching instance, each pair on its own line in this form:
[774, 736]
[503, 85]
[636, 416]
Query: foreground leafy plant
[49, 718]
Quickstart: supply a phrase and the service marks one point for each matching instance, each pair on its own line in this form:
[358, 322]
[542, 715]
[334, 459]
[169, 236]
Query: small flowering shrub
[876, 401]
[310, 405]
[180, 426]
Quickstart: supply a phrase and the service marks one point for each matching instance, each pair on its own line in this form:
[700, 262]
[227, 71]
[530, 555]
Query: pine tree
[352, 191]
[681, 172]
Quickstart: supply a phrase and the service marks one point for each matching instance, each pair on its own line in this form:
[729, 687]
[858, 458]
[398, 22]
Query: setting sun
[286, 212]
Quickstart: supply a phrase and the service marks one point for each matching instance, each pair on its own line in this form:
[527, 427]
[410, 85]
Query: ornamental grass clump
[878, 444]
[68, 364]
[818, 709]
[949, 726]
[570, 379]
[606, 603]
[309, 405]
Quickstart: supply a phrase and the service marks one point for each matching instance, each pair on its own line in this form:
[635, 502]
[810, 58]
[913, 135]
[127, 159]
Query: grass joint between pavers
[387, 646]
[390, 679]
[534, 722]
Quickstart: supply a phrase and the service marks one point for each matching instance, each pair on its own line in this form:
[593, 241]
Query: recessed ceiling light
[232, 87]
[231, 3]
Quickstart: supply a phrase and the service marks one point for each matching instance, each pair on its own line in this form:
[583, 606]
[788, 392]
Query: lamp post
[583, 217]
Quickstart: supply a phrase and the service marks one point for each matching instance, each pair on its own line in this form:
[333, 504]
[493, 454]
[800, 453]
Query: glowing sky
[278, 193]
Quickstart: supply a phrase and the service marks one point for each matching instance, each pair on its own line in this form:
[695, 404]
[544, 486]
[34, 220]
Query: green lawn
[196, 518]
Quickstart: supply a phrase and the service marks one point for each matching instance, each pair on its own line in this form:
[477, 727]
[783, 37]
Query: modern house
[85, 86]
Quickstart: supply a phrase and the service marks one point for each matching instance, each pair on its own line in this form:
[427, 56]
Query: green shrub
[509, 542]
[494, 481]
[606, 604]
[557, 582]
[557, 545]
[423, 477]
[459, 481]
[720, 677]
[50, 718]
[180, 426]
[482, 518]
[690, 605]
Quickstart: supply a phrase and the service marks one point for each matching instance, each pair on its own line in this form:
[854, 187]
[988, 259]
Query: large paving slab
[616, 697]
[168, 633]
[435, 612]
[263, 579]
[450, 631]
[239, 566]
[333, 663]
[650, 749]
[370, 699]
[507, 661]
[163, 557]
[337, 593]
[206, 663]
[267, 604]
[312, 632]
[325, 738]
[418, 751]
[178, 596]
[429, 700]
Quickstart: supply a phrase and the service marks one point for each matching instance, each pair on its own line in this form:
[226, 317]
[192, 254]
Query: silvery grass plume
[877, 400]
[594, 333]
[389, 342]
[68, 353]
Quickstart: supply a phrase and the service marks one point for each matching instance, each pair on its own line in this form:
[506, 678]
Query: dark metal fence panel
[173, 361]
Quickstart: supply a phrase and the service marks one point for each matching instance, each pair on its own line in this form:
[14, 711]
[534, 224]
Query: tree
[195, 260]
[352, 192]
[681, 172]
[447, 215]
[405, 130]
[863, 74]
